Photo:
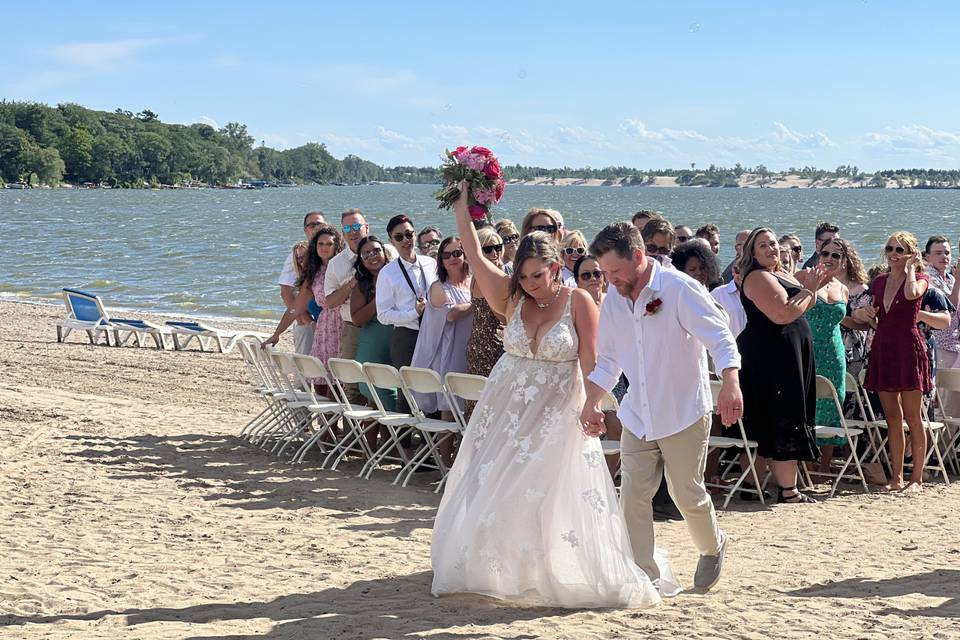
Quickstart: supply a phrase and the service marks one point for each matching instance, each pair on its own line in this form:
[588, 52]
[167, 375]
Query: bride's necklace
[544, 305]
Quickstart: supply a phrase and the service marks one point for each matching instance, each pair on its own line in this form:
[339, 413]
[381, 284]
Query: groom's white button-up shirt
[662, 353]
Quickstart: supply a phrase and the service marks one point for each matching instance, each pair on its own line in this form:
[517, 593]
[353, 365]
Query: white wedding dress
[529, 514]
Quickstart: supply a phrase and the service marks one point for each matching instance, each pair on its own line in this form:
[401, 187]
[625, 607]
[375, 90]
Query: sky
[552, 84]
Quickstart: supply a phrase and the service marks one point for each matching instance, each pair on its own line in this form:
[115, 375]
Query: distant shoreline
[745, 181]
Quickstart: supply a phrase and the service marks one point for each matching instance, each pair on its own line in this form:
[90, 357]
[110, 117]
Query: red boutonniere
[653, 306]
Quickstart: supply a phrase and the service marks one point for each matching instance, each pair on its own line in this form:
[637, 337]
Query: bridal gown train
[529, 514]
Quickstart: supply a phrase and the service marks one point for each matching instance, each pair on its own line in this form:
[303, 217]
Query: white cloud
[580, 135]
[454, 133]
[911, 138]
[392, 139]
[787, 137]
[638, 129]
[97, 54]
[346, 144]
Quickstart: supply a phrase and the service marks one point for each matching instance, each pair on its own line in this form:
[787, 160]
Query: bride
[530, 515]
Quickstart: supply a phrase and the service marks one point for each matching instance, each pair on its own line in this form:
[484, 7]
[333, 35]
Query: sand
[131, 510]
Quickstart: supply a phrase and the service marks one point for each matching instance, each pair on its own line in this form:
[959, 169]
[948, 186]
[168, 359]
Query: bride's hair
[536, 245]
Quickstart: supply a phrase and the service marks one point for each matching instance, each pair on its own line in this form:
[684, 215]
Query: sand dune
[131, 511]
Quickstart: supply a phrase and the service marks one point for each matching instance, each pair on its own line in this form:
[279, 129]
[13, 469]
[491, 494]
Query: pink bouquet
[481, 170]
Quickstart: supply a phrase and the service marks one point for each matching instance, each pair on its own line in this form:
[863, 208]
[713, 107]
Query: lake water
[219, 252]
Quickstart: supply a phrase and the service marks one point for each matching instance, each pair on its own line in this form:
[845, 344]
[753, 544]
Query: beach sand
[131, 510]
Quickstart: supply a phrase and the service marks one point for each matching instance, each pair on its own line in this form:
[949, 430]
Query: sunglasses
[830, 254]
[889, 249]
[587, 276]
[574, 250]
[546, 228]
[493, 248]
[430, 243]
[366, 255]
[797, 250]
[311, 225]
[683, 238]
[657, 251]
[456, 253]
[403, 235]
[511, 239]
[356, 226]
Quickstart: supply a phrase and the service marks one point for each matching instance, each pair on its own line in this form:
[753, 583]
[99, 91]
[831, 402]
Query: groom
[653, 328]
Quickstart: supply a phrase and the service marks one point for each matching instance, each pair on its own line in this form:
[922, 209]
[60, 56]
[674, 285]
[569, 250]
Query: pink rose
[473, 161]
[478, 212]
[492, 169]
[459, 152]
[484, 196]
[482, 151]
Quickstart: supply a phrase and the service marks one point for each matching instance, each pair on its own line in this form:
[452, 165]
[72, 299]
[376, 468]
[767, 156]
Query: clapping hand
[955, 272]
[865, 314]
[812, 278]
[591, 421]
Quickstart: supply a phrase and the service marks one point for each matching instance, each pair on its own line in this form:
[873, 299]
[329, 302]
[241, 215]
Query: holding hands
[591, 421]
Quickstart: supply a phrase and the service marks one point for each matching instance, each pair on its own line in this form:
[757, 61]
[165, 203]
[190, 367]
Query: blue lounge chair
[85, 312]
[183, 332]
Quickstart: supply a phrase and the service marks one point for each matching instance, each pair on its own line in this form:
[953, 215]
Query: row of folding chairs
[294, 413]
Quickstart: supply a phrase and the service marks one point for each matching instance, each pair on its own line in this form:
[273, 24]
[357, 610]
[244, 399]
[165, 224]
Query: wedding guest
[642, 217]
[943, 277]
[573, 248]
[485, 345]
[738, 248]
[302, 334]
[826, 231]
[547, 220]
[402, 294]
[428, 241]
[728, 297]
[684, 233]
[654, 325]
[590, 278]
[290, 316]
[788, 264]
[854, 335]
[340, 281]
[658, 238]
[697, 260]
[510, 236]
[898, 369]
[711, 234]
[445, 329]
[829, 355]
[778, 375]
[792, 242]
[373, 339]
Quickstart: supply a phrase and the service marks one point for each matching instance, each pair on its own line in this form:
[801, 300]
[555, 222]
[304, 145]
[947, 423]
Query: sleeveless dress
[529, 514]
[778, 381]
[326, 334]
[442, 345]
[485, 345]
[898, 354]
[830, 358]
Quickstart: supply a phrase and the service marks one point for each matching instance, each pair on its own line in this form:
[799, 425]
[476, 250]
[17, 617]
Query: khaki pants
[349, 337]
[681, 458]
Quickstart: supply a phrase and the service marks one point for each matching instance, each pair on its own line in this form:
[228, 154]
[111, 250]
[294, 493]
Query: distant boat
[17, 185]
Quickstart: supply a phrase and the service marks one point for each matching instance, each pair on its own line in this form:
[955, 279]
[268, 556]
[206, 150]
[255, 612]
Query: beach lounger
[184, 332]
[86, 312]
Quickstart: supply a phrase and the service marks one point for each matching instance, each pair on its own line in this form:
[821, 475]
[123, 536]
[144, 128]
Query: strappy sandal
[794, 499]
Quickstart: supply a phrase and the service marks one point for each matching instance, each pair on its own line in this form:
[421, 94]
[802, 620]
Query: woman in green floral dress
[828, 351]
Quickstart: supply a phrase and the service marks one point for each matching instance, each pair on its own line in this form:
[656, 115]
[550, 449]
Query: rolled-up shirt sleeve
[606, 373]
[700, 317]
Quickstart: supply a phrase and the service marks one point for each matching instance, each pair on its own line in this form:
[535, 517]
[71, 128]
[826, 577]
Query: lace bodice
[559, 344]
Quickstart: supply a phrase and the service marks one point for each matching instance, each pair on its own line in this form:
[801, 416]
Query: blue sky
[644, 84]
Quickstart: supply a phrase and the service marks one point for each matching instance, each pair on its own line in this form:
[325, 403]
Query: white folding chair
[433, 431]
[948, 384]
[273, 393]
[399, 425]
[749, 447]
[826, 391]
[317, 407]
[359, 420]
[875, 429]
[465, 386]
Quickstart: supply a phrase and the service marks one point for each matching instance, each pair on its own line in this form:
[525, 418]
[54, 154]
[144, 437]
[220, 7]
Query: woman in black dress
[776, 347]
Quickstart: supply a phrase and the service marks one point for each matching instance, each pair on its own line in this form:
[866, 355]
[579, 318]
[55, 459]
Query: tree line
[40, 144]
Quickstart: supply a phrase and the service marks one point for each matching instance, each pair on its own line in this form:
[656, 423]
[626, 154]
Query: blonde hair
[527, 224]
[302, 244]
[575, 239]
[907, 240]
[506, 227]
[487, 236]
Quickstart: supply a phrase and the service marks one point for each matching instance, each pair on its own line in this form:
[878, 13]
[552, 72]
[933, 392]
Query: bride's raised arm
[494, 284]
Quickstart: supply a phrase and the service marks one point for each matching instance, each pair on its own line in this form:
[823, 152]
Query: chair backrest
[346, 371]
[83, 306]
[466, 385]
[825, 389]
[948, 379]
[310, 371]
[284, 370]
[422, 380]
[250, 362]
[385, 376]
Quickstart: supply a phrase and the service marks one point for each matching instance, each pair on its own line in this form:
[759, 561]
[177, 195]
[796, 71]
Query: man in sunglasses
[684, 233]
[658, 239]
[402, 288]
[741, 238]
[302, 333]
[428, 241]
[826, 231]
[339, 282]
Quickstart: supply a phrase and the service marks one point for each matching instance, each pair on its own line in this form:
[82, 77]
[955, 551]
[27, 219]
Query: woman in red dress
[898, 369]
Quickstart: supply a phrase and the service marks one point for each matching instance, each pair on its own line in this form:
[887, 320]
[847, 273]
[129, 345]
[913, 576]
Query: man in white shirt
[653, 328]
[658, 240]
[402, 288]
[728, 297]
[339, 282]
[302, 333]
